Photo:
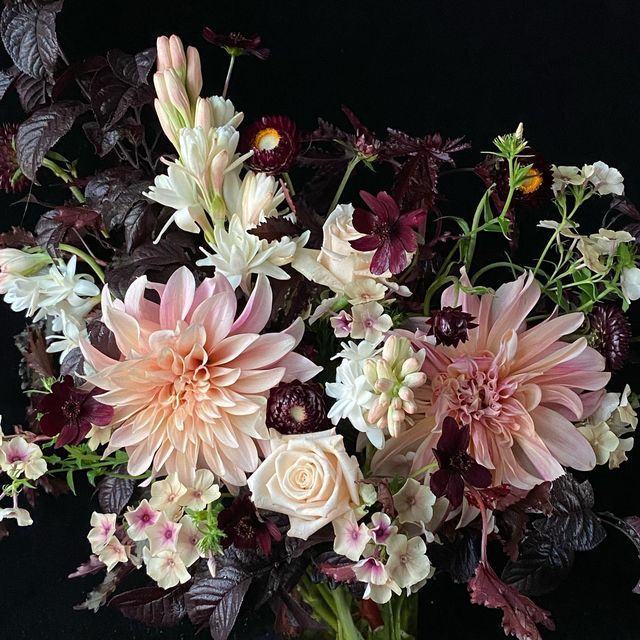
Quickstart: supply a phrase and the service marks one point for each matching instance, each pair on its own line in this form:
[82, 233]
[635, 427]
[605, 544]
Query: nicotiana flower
[602, 439]
[391, 234]
[609, 334]
[457, 467]
[518, 389]
[240, 255]
[274, 141]
[21, 516]
[69, 413]
[605, 179]
[450, 325]
[191, 389]
[563, 176]
[297, 407]
[414, 502]
[369, 321]
[21, 458]
[408, 564]
[245, 528]
[351, 538]
[308, 477]
[12, 180]
[630, 283]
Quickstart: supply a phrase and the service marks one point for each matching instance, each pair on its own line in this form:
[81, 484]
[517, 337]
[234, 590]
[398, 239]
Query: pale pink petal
[257, 311]
[177, 298]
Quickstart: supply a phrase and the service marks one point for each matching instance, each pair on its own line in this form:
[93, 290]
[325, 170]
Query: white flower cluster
[46, 289]
[390, 555]
[603, 179]
[164, 535]
[204, 184]
[375, 388]
[606, 429]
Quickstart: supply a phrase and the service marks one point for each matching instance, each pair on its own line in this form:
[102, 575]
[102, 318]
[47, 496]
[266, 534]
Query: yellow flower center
[266, 139]
[532, 182]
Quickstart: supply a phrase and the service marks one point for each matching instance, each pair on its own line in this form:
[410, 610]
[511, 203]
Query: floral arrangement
[287, 400]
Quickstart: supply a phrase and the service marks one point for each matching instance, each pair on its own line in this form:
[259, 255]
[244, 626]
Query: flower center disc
[266, 139]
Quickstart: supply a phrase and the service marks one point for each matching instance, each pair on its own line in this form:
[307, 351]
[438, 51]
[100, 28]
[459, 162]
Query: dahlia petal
[266, 350]
[231, 347]
[257, 311]
[135, 304]
[126, 436]
[177, 298]
[568, 446]
[591, 402]
[125, 328]
[298, 368]
[534, 457]
[564, 401]
[216, 316]
[259, 381]
[562, 354]
[140, 460]
[208, 288]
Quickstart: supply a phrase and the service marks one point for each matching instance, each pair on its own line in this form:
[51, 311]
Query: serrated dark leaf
[103, 141]
[115, 493]
[132, 69]
[152, 605]
[7, 78]
[275, 228]
[34, 351]
[32, 92]
[520, 616]
[103, 339]
[111, 98]
[73, 363]
[53, 226]
[37, 135]
[225, 613]
[28, 30]
[459, 557]
[17, 238]
[74, 72]
[630, 527]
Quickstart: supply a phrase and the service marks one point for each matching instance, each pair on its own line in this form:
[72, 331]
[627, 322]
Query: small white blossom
[370, 322]
[603, 441]
[564, 176]
[203, 491]
[166, 494]
[113, 553]
[163, 535]
[606, 180]
[381, 528]
[188, 539]
[21, 516]
[140, 519]
[630, 282]
[414, 502]
[104, 527]
[19, 457]
[351, 538]
[167, 568]
[408, 563]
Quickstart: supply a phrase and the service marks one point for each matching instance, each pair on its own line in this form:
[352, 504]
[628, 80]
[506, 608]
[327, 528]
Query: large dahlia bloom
[190, 390]
[520, 390]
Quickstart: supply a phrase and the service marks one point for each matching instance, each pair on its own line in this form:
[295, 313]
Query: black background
[568, 69]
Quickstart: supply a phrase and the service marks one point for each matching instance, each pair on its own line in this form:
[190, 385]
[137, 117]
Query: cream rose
[337, 265]
[308, 477]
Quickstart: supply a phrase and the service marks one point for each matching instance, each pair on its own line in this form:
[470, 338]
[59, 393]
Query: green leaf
[70, 481]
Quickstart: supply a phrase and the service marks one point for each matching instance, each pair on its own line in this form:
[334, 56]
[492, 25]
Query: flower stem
[232, 61]
[353, 163]
[83, 255]
[287, 179]
[65, 176]
[346, 625]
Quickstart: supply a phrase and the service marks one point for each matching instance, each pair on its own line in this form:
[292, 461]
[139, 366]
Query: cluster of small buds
[394, 375]
[160, 530]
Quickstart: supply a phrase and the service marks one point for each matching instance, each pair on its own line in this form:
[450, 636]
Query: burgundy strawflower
[274, 141]
[12, 180]
[244, 528]
[610, 333]
[387, 231]
[457, 467]
[69, 412]
[450, 325]
[237, 44]
[297, 407]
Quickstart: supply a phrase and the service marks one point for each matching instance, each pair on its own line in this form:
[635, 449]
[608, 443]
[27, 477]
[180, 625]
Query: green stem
[227, 80]
[65, 176]
[346, 624]
[474, 231]
[83, 255]
[496, 265]
[424, 469]
[353, 163]
[287, 179]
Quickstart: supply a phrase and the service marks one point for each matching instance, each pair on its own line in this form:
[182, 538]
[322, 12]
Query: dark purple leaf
[28, 30]
[42, 130]
[53, 226]
[103, 339]
[225, 613]
[32, 92]
[103, 141]
[35, 353]
[460, 557]
[73, 363]
[630, 527]
[16, 238]
[274, 228]
[134, 70]
[74, 72]
[115, 493]
[152, 605]
[7, 77]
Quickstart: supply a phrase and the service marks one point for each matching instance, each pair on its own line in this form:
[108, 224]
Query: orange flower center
[532, 182]
[266, 139]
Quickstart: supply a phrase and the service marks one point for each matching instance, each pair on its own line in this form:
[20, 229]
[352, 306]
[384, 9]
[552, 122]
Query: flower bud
[178, 59]
[163, 61]
[194, 74]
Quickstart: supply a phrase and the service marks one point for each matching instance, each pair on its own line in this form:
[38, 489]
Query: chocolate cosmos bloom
[609, 333]
[274, 141]
[12, 180]
[244, 528]
[237, 44]
[450, 325]
[387, 231]
[297, 407]
[70, 412]
[457, 467]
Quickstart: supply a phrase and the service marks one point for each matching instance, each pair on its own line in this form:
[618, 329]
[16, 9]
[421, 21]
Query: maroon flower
[71, 412]
[237, 44]
[12, 180]
[274, 141]
[457, 467]
[244, 528]
[297, 407]
[609, 333]
[450, 325]
[391, 233]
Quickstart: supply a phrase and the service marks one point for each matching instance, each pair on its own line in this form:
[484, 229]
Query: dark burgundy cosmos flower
[71, 412]
[297, 407]
[237, 44]
[450, 325]
[244, 528]
[610, 333]
[12, 180]
[274, 141]
[457, 467]
[387, 231]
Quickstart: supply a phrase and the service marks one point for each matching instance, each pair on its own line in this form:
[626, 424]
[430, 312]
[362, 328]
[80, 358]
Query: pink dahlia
[190, 390]
[519, 390]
